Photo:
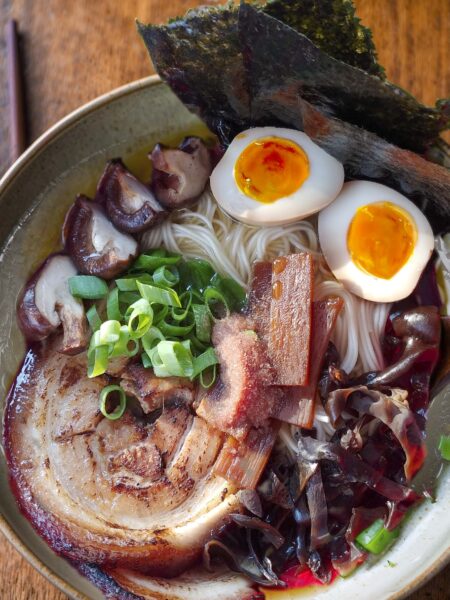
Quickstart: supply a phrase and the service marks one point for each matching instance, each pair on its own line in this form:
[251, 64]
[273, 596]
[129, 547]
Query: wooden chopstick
[17, 135]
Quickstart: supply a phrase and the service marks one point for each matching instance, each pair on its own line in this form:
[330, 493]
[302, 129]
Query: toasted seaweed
[238, 67]
[200, 57]
[338, 89]
[333, 27]
[366, 155]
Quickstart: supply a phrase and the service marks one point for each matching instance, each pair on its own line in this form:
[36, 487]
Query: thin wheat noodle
[207, 232]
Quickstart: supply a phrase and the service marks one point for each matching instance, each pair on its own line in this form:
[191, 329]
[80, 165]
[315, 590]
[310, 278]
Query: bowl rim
[6, 180]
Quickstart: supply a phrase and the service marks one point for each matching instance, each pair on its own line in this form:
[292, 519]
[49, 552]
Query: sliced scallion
[127, 298]
[153, 259]
[216, 303]
[159, 295]
[163, 308]
[97, 360]
[151, 338]
[159, 368]
[179, 314]
[176, 358]
[146, 362]
[140, 318]
[108, 333]
[444, 446]
[120, 408]
[204, 361]
[112, 306]
[177, 329]
[197, 344]
[208, 377]
[203, 322]
[125, 346]
[167, 276]
[160, 312]
[93, 318]
[129, 284]
[376, 538]
[88, 287]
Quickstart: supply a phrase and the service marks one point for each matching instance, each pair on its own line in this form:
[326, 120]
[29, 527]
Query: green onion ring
[212, 294]
[120, 409]
[88, 287]
[109, 333]
[212, 380]
[152, 335]
[142, 312]
[93, 318]
[160, 314]
[167, 276]
[151, 260]
[175, 357]
[112, 306]
[180, 316]
[171, 330]
[159, 295]
[97, 360]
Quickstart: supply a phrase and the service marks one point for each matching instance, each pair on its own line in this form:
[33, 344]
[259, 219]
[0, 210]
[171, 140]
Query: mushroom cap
[95, 245]
[46, 303]
[131, 205]
[180, 175]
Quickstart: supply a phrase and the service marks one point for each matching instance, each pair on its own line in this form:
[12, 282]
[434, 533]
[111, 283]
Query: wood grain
[75, 50]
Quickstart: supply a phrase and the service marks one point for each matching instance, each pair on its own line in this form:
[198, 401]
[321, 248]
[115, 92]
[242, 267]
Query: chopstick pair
[17, 130]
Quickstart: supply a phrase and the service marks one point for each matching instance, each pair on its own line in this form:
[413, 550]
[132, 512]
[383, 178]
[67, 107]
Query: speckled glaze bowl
[34, 196]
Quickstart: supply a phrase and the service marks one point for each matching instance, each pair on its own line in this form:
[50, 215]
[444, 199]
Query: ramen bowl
[34, 196]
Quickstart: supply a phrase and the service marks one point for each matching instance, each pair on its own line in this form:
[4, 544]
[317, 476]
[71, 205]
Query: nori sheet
[333, 27]
[238, 67]
[200, 58]
[367, 156]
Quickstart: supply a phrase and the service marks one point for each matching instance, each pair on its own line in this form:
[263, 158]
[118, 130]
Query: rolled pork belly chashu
[128, 493]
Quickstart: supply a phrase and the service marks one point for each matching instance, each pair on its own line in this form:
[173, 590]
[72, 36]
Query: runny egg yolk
[381, 238]
[271, 168]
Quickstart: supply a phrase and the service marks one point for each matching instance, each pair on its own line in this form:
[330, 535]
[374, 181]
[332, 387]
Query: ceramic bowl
[34, 196]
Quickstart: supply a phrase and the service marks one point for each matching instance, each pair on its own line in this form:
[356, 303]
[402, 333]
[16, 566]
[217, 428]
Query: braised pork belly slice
[298, 402]
[290, 318]
[242, 462]
[260, 298]
[136, 492]
[153, 392]
[243, 396]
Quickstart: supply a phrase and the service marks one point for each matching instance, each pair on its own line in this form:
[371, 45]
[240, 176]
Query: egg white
[323, 184]
[334, 223]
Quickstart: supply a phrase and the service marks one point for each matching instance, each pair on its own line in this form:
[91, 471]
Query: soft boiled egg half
[272, 176]
[375, 241]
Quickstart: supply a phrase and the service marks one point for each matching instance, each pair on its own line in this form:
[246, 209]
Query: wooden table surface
[74, 50]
